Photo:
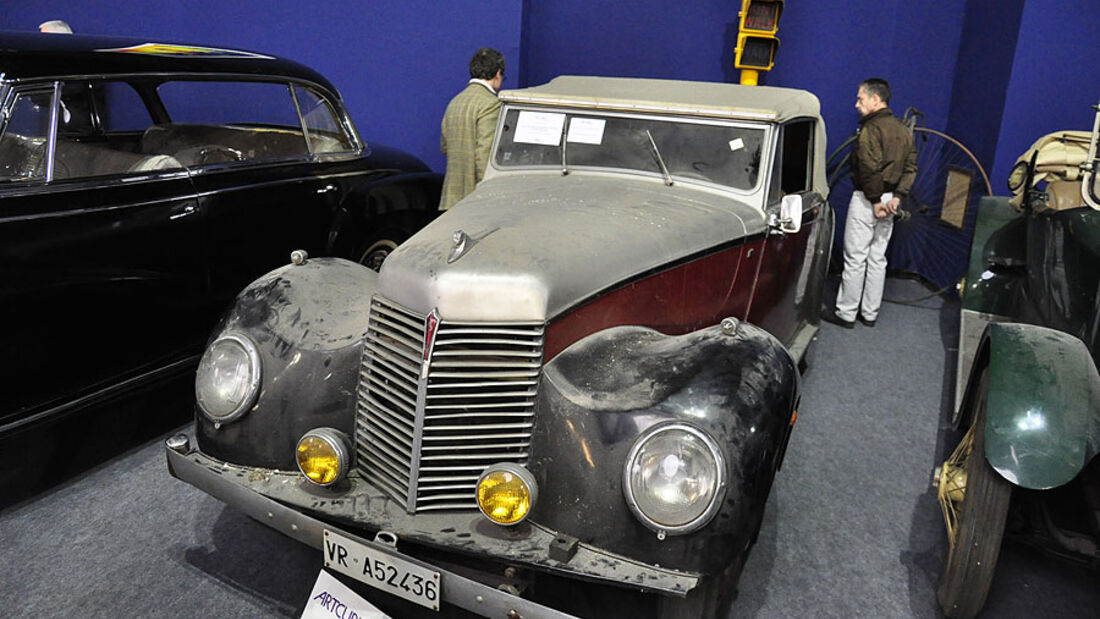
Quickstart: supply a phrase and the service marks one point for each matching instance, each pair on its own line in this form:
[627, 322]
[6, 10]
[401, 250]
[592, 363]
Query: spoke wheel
[377, 248]
[974, 499]
[932, 241]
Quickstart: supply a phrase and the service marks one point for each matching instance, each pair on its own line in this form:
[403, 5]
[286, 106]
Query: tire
[973, 549]
[373, 251]
[711, 599]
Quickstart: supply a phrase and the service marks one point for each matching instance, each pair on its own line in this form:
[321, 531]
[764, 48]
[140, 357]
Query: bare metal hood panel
[539, 244]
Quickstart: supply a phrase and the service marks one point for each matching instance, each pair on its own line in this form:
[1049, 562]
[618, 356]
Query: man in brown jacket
[884, 164]
[468, 127]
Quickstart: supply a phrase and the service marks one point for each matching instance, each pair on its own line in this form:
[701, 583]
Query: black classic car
[1028, 397]
[142, 185]
[588, 368]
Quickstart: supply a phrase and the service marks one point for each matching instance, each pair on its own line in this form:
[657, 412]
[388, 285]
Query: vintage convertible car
[1028, 392]
[588, 368]
[143, 185]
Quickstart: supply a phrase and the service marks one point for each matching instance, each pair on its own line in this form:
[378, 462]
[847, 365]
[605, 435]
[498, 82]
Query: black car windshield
[709, 151]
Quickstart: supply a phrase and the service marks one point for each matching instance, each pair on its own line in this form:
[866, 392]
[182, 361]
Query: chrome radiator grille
[425, 437]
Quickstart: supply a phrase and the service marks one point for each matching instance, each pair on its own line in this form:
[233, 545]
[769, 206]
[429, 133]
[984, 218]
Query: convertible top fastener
[730, 325]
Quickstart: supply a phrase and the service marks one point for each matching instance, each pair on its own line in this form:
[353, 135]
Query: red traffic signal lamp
[756, 40]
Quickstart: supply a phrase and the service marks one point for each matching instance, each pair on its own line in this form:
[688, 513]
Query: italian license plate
[382, 570]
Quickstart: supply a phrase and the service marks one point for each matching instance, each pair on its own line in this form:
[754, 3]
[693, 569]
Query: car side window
[121, 108]
[99, 126]
[214, 122]
[326, 133]
[793, 171]
[23, 145]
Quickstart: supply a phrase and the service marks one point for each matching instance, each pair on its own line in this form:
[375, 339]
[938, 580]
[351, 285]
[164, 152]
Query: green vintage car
[1028, 392]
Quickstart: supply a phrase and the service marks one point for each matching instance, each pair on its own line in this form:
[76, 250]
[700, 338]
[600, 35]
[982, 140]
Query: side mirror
[790, 214]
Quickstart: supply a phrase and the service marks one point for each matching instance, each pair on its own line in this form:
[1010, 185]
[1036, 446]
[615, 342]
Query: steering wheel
[218, 154]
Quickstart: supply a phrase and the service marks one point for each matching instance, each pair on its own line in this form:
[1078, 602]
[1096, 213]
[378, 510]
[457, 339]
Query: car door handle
[187, 211]
[326, 189]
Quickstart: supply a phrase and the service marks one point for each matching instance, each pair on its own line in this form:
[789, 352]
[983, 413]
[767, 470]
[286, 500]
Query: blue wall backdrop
[1055, 77]
[981, 76]
[397, 62]
[994, 73]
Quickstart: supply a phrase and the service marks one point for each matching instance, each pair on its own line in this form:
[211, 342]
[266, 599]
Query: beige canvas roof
[671, 96]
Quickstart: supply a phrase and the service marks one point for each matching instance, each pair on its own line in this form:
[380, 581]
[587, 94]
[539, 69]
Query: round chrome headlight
[228, 378]
[675, 478]
[323, 456]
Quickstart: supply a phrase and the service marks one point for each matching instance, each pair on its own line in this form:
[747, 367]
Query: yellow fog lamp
[506, 493]
[323, 456]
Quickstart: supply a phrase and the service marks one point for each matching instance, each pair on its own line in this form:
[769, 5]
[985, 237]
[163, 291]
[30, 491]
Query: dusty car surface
[1028, 389]
[143, 185]
[586, 369]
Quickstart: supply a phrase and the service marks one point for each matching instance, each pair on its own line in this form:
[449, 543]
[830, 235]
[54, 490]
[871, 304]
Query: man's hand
[887, 209]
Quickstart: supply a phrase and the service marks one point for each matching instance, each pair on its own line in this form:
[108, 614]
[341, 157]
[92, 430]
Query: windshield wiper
[564, 140]
[660, 160]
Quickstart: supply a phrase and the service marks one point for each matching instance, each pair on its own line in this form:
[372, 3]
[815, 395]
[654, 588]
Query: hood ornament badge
[462, 243]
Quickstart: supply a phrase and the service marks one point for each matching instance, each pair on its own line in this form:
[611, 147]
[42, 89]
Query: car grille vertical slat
[390, 366]
[475, 406]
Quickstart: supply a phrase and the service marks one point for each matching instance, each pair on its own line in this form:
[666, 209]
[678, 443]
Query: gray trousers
[865, 241]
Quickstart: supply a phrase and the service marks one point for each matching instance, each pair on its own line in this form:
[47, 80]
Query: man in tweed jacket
[468, 126]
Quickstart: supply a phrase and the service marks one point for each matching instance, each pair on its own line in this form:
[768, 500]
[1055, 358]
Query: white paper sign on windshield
[586, 130]
[539, 128]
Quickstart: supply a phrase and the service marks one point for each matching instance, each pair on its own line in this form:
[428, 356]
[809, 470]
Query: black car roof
[32, 55]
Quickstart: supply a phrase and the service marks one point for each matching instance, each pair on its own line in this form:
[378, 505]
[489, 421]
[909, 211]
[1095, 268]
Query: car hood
[537, 245]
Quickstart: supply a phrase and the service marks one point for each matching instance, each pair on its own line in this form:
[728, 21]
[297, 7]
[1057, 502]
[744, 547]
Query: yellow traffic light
[756, 41]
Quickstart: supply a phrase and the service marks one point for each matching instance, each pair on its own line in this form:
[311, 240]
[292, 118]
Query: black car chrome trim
[242, 488]
[282, 181]
[301, 119]
[206, 76]
[55, 111]
[100, 209]
[215, 76]
[176, 367]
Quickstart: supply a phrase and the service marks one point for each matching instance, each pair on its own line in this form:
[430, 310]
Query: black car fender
[738, 384]
[398, 204]
[308, 322]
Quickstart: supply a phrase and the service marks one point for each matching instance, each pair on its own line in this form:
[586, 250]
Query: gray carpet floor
[852, 528]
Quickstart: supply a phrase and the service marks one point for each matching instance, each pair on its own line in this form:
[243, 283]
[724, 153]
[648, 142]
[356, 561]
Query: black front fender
[308, 322]
[600, 394]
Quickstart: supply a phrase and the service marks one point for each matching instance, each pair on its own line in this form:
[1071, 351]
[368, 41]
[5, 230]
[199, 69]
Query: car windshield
[674, 148]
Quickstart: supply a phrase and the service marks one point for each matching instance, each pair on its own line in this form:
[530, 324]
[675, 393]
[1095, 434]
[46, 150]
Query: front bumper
[265, 495]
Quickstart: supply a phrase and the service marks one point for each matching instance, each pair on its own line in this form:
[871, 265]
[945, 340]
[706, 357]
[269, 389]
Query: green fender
[1043, 406]
[996, 268]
